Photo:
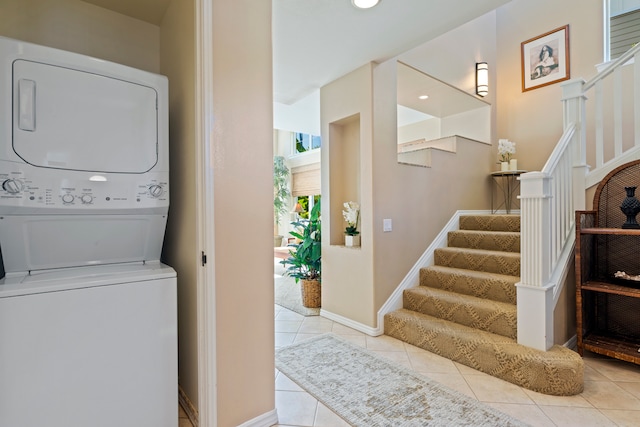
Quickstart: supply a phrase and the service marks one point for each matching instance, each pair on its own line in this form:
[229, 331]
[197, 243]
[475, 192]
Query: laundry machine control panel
[79, 191]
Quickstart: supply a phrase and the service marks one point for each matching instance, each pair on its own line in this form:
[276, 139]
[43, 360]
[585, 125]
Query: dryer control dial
[67, 198]
[12, 186]
[86, 199]
[156, 190]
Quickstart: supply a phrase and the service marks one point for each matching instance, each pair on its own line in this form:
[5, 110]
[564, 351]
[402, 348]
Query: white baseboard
[265, 420]
[374, 332]
[189, 408]
[572, 343]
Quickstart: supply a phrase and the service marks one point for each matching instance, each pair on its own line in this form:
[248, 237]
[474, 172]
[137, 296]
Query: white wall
[302, 116]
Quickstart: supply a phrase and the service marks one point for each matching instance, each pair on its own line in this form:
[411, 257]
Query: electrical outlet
[387, 225]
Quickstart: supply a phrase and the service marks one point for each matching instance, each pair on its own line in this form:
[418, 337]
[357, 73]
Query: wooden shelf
[617, 347]
[612, 231]
[608, 308]
[611, 288]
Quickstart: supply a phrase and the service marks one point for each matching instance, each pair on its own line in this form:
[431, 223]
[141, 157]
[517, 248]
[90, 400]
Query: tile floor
[611, 396]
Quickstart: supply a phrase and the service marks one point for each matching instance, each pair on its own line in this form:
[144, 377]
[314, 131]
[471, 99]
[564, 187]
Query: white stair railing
[550, 197]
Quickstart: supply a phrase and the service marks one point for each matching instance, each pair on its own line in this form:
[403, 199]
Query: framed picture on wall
[545, 59]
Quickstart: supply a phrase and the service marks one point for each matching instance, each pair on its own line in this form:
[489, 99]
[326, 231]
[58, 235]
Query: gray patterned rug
[366, 390]
[288, 294]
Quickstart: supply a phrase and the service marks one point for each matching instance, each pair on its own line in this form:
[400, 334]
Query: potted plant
[281, 195]
[304, 263]
[351, 215]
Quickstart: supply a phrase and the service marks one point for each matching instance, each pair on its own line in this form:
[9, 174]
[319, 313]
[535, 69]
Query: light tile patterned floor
[611, 396]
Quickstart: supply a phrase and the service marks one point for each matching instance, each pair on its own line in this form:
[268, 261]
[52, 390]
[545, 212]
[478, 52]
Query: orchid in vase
[506, 149]
[351, 214]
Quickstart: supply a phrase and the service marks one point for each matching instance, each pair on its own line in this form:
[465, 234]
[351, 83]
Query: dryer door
[74, 120]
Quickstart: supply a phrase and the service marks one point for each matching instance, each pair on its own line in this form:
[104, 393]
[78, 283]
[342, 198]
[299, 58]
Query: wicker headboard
[610, 194]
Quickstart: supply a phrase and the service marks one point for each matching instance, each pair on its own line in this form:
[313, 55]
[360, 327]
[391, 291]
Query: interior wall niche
[433, 114]
[344, 171]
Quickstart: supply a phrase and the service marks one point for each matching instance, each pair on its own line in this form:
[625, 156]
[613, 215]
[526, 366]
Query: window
[305, 142]
[622, 27]
[307, 203]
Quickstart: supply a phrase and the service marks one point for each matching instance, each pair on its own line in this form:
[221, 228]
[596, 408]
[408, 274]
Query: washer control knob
[67, 198]
[156, 190]
[12, 186]
[86, 199]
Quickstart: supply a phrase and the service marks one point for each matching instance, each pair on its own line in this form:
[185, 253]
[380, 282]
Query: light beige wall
[83, 28]
[474, 124]
[180, 249]
[346, 120]
[427, 129]
[420, 201]
[533, 119]
[564, 326]
[242, 147]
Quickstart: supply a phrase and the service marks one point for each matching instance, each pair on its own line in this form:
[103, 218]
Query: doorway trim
[206, 305]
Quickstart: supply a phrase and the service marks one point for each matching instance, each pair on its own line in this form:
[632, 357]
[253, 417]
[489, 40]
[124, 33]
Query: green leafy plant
[281, 191]
[305, 261]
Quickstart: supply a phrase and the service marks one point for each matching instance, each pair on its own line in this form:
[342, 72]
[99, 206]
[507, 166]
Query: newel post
[534, 291]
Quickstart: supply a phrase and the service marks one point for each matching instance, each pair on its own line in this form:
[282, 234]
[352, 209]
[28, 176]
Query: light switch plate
[387, 225]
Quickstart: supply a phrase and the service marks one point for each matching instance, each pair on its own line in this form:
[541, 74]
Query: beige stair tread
[481, 284]
[485, 239]
[479, 259]
[480, 313]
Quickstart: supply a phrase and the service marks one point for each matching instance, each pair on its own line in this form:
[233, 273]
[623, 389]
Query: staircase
[465, 310]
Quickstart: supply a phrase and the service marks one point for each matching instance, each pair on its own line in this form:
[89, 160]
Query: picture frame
[545, 59]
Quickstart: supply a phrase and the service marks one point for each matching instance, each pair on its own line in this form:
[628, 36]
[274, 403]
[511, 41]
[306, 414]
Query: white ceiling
[317, 41]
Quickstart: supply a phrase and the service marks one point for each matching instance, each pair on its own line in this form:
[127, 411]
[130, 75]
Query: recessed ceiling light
[364, 4]
[423, 97]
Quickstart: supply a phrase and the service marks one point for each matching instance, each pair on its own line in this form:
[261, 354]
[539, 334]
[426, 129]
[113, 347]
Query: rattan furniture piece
[608, 307]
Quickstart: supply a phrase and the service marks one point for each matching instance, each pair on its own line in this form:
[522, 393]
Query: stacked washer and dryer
[88, 323]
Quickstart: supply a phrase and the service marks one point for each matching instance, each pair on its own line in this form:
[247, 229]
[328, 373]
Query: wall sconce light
[482, 78]
[364, 4]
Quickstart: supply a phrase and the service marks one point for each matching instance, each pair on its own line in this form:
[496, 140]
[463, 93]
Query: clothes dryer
[88, 324]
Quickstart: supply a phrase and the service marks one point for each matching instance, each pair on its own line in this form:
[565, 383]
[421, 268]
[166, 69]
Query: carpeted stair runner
[464, 310]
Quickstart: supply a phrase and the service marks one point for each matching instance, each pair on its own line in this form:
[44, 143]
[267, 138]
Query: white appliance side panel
[75, 120]
[55, 241]
[99, 357]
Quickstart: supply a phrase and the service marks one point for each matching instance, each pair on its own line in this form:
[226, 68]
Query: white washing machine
[88, 324]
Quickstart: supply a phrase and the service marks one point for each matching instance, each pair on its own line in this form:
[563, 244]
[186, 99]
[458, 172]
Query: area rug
[288, 294]
[367, 390]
